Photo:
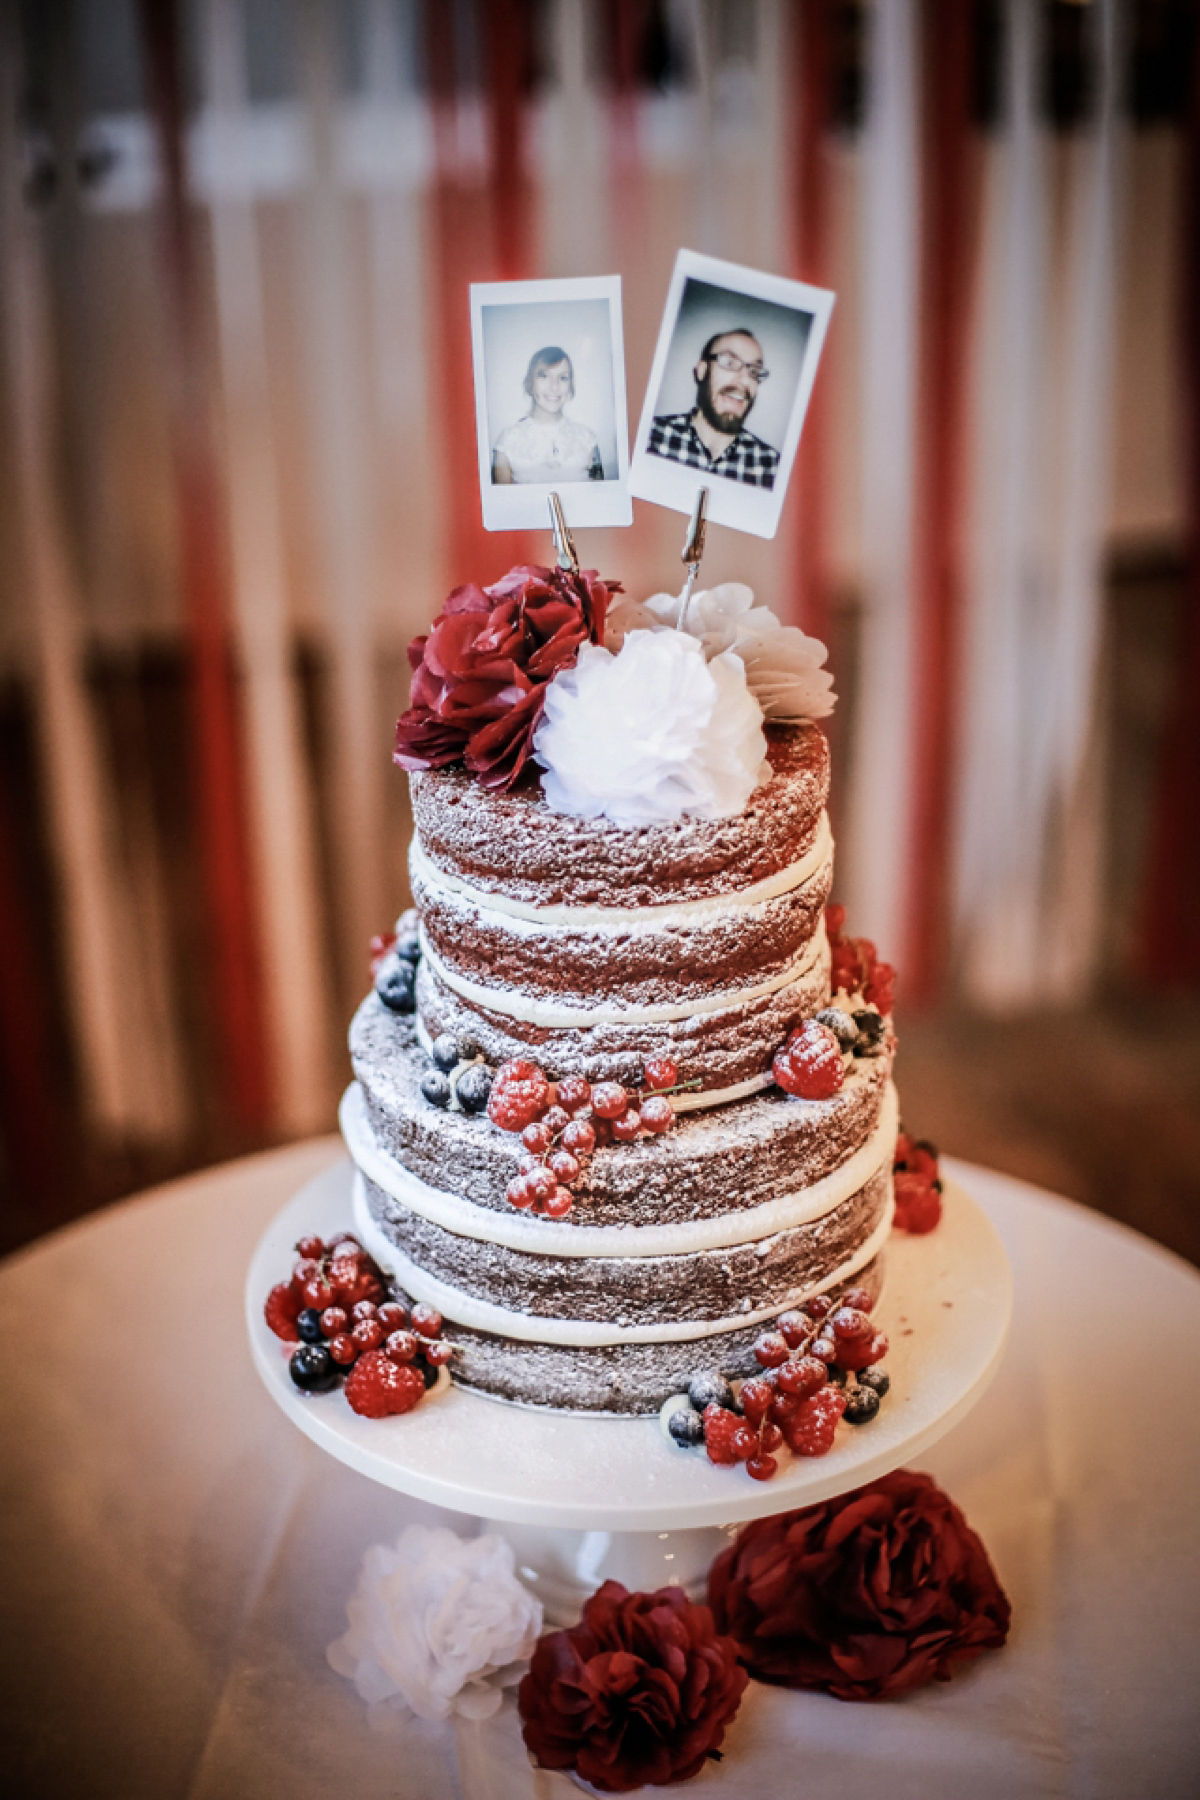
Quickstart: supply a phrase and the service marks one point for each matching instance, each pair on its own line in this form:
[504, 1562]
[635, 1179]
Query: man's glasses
[725, 359]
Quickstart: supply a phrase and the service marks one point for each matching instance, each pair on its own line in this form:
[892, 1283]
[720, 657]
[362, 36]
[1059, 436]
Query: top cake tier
[593, 948]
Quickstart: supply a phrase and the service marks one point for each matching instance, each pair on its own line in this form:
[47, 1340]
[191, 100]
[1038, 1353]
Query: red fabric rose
[865, 1596]
[480, 675]
[638, 1693]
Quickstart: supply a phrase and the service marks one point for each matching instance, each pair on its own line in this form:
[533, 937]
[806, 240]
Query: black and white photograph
[550, 401]
[734, 366]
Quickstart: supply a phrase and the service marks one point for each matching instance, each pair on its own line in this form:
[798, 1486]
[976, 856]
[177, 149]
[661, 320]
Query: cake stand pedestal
[584, 1498]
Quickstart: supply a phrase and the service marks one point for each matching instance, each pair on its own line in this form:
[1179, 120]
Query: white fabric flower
[439, 1624]
[783, 666]
[650, 734]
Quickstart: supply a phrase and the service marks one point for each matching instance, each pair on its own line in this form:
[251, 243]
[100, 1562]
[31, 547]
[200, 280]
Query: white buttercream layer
[582, 1334]
[550, 1237]
[557, 1015]
[629, 919]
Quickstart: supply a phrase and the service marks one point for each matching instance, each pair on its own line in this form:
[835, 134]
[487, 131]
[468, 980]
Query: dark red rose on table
[480, 675]
[866, 1596]
[639, 1693]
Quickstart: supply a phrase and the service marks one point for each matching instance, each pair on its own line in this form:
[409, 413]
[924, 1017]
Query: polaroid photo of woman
[550, 401]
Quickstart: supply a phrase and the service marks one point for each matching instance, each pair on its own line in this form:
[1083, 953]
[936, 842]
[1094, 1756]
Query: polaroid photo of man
[734, 366]
[550, 409]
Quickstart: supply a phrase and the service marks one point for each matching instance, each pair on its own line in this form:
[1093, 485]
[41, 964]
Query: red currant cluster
[561, 1123]
[810, 1062]
[856, 965]
[917, 1185]
[818, 1368]
[335, 1309]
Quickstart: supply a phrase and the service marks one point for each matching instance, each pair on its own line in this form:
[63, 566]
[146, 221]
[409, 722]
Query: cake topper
[564, 544]
[735, 345]
[693, 550]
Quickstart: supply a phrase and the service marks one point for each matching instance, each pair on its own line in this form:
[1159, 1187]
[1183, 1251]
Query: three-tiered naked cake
[602, 950]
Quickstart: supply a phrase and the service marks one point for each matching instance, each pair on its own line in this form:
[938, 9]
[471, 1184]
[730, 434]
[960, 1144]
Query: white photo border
[672, 484]
[522, 506]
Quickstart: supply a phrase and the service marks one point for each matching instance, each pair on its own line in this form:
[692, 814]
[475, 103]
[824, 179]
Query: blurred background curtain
[239, 475]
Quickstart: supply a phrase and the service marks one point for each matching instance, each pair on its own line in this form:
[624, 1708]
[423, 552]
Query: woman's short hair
[548, 358]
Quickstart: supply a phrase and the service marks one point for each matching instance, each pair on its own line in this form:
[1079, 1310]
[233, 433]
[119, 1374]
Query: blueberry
[836, 1375]
[861, 1406]
[686, 1428]
[308, 1324]
[877, 1379]
[408, 948]
[426, 1371]
[397, 989]
[841, 1024]
[870, 1033]
[313, 1369]
[444, 1051]
[473, 1087]
[435, 1087]
[709, 1388]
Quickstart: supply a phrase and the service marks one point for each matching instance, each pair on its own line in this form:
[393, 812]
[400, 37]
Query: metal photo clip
[564, 544]
[693, 550]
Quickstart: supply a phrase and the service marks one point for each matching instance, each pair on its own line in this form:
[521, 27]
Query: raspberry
[574, 1093]
[812, 1428]
[880, 990]
[579, 1138]
[310, 1247]
[719, 1427]
[609, 1100]
[661, 1072]
[280, 1310]
[537, 1137]
[427, 1320]
[520, 1094]
[918, 1203]
[810, 1063]
[783, 1408]
[657, 1113]
[835, 918]
[565, 1166]
[377, 1388]
[627, 1127]
[381, 945]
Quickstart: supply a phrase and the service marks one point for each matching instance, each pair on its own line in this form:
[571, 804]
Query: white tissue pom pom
[783, 666]
[439, 1624]
[651, 734]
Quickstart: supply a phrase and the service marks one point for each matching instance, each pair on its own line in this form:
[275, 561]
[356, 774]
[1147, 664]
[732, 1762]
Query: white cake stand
[583, 1498]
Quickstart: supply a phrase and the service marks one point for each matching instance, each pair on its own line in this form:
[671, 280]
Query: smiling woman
[546, 445]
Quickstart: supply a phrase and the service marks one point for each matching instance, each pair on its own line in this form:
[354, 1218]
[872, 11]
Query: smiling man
[713, 436]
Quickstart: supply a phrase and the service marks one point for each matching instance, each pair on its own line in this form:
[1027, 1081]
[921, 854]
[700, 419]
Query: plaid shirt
[746, 459]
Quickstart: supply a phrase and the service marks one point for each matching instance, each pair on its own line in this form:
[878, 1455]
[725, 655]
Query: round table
[177, 1556]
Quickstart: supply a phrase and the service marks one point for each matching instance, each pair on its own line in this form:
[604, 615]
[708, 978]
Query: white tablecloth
[177, 1556]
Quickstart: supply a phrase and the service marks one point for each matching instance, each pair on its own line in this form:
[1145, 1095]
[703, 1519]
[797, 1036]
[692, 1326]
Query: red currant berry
[558, 1205]
[574, 1093]
[427, 1320]
[860, 1298]
[528, 1163]
[825, 1348]
[627, 1127]
[334, 1320]
[793, 1327]
[541, 1184]
[392, 1316]
[603, 1131]
[769, 1436]
[518, 1193]
[306, 1270]
[579, 1138]
[756, 1398]
[819, 1306]
[439, 1353]
[556, 1119]
[849, 1325]
[368, 1334]
[858, 1354]
[363, 1309]
[344, 1244]
[657, 1113]
[402, 1346]
[318, 1294]
[310, 1247]
[771, 1350]
[343, 1349]
[537, 1137]
[761, 1467]
[743, 1442]
[609, 1100]
[661, 1072]
[565, 1166]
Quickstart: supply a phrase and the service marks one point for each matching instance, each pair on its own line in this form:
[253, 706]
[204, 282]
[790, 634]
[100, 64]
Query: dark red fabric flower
[637, 1694]
[480, 675]
[867, 1595]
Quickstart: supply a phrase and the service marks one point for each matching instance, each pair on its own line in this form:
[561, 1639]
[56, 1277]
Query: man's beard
[729, 423]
